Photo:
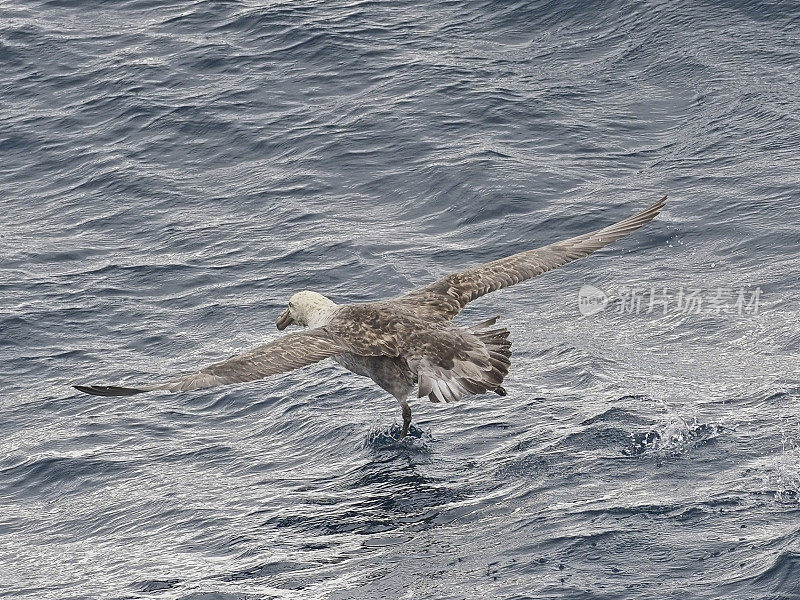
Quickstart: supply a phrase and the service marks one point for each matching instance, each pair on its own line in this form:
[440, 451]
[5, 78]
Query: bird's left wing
[286, 353]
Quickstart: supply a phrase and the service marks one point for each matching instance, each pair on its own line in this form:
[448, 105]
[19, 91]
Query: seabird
[402, 342]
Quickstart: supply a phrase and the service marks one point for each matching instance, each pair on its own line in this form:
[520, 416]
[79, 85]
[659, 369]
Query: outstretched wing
[447, 296]
[284, 354]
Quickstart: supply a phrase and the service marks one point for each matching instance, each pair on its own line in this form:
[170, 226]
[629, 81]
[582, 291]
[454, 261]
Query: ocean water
[171, 172]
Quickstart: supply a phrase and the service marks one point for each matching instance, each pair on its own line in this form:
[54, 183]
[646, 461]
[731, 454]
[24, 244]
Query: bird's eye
[291, 305]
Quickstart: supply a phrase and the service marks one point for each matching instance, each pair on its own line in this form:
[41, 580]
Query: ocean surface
[171, 172]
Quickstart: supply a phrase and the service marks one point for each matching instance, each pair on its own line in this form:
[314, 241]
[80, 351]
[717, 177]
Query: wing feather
[286, 353]
[447, 296]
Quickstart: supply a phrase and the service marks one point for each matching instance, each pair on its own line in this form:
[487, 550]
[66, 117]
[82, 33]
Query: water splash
[784, 477]
[385, 437]
[675, 437]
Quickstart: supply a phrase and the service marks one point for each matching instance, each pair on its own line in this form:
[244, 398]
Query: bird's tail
[499, 347]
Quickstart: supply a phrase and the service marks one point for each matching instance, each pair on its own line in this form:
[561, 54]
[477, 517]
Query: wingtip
[107, 390]
[659, 205]
[653, 211]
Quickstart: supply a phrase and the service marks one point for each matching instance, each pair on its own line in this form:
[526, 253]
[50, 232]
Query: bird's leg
[406, 418]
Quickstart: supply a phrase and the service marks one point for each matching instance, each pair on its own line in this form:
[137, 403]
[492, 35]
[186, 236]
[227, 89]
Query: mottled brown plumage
[407, 341]
[452, 293]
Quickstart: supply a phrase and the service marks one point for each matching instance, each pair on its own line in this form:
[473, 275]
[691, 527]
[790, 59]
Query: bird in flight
[402, 342]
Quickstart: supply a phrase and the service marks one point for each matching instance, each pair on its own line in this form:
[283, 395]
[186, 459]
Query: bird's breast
[391, 373]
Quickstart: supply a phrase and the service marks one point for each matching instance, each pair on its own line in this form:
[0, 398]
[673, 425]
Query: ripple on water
[172, 171]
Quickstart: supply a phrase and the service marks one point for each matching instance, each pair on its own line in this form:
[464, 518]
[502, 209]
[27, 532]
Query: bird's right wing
[447, 296]
[286, 353]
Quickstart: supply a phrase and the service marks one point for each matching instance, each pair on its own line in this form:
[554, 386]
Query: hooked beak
[284, 320]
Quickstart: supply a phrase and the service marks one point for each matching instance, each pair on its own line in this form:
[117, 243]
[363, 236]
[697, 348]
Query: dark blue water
[171, 172]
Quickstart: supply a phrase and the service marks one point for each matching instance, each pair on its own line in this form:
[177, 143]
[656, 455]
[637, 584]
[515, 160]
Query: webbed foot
[406, 419]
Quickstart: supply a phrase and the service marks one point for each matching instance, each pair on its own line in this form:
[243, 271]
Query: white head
[306, 308]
